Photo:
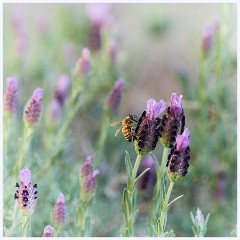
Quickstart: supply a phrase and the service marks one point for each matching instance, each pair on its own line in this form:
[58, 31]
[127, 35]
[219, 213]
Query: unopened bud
[33, 109]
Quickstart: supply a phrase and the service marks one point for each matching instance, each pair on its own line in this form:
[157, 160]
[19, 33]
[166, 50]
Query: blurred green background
[158, 54]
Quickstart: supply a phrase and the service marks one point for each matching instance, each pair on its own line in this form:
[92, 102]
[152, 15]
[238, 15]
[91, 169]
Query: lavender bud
[26, 195]
[148, 129]
[33, 109]
[173, 123]
[88, 179]
[60, 211]
[87, 167]
[62, 89]
[83, 64]
[48, 231]
[10, 104]
[55, 110]
[114, 97]
[179, 157]
[97, 13]
[112, 51]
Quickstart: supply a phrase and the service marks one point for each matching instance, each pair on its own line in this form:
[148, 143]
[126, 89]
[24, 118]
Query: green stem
[134, 173]
[129, 200]
[156, 200]
[26, 226]
[163, 221]
[102, 138]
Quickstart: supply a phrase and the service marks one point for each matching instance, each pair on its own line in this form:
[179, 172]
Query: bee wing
[117, 132]
[115, 123]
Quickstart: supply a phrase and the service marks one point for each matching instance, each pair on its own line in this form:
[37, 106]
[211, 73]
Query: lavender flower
[97, 14]
[114, 97]
[88, 179]
[48, 231]
[62, 89]
[207, 40]
[55, 110]
[173, 123]
[25, 194]
[33, 109]
[112, 51]
[10, 104]
[179, 157]
[148, 180]
[60, 210]
[83, 65]
[148, 129]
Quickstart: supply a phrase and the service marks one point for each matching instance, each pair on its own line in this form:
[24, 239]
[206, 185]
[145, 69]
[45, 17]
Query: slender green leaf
[128, 164]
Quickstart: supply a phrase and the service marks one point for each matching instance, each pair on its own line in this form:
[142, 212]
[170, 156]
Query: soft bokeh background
[159, 47]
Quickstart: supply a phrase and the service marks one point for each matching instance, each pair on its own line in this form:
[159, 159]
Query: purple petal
[97, 11]
[154, 109]
[183, 140]
[159, 108]
[176, 104]
[37, 94]
[60, 198]
[25, 176]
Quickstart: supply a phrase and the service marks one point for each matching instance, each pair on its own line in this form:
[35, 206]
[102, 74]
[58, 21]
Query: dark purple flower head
[26, 193]
[147, 131]
[60, 210]
[173, 122]
[179, 157]
[33, 109]
[48, 231]
[10, 104]
[114, 98]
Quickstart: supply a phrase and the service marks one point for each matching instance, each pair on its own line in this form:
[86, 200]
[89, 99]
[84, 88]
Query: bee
[128, 127]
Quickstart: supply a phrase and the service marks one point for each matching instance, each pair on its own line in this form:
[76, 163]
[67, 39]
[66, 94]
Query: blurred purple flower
[83, 64]
[114, 97]
[48, 231]
[26, 195]
[97, 12]
[112, 51]
[20, 29]
[148, 180]
[88, 179]
[33, 109]
[43, 22]
[209, 33]
[10, 104]
[60, 210]
[62, 89]
[55, 110]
